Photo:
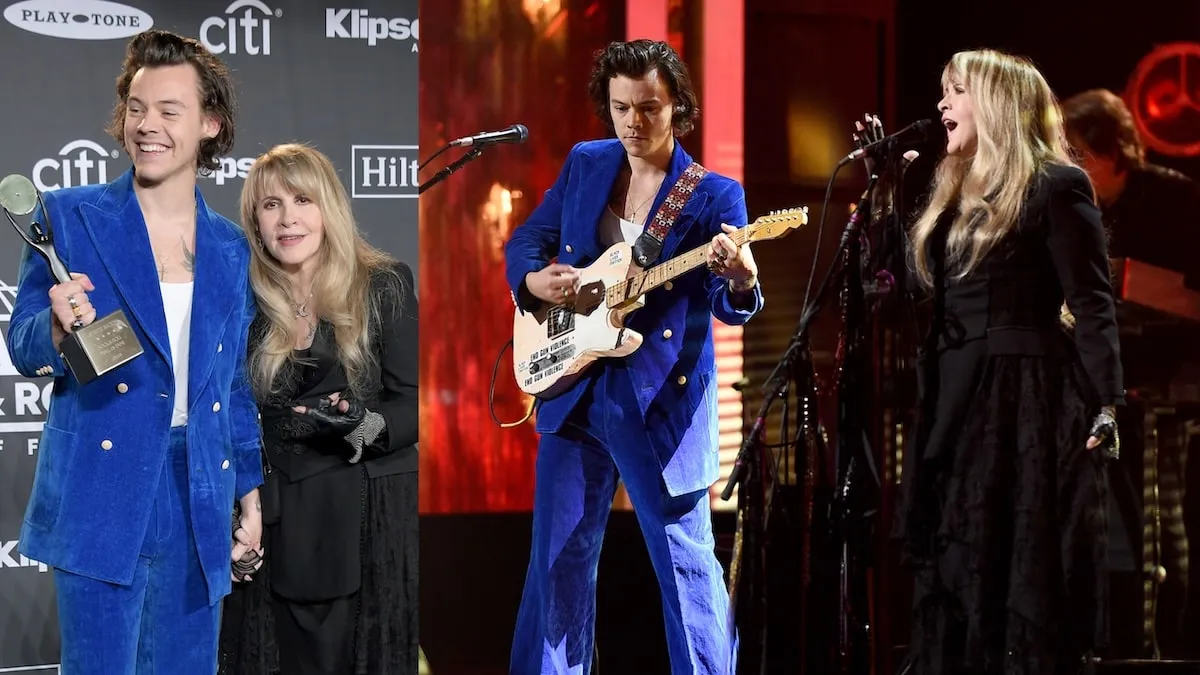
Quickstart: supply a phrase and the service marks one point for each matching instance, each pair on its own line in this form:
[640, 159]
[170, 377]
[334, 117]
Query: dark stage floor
[473, 566]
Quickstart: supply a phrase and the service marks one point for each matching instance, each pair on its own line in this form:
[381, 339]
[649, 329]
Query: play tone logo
[78, 19]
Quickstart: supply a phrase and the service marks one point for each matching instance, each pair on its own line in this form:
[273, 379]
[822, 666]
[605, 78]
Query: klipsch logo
[78, 19]
[383, 171]
[78, 163]
[231, 168]
[357, 24]
[245, 29]
[9, 557]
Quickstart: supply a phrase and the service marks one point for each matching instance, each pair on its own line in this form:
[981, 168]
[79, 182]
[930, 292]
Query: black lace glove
[1104, 428]
[328, 420]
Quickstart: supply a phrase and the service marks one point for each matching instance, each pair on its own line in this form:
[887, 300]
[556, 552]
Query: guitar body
[554, 345]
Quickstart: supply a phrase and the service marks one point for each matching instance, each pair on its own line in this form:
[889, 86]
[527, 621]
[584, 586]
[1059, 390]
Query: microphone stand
[475, 152]
[799, 343]
[753, 455]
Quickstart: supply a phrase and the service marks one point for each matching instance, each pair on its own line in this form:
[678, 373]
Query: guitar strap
[650, 242]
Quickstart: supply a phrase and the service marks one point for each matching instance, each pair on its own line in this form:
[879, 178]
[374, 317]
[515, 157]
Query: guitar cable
[492, 395]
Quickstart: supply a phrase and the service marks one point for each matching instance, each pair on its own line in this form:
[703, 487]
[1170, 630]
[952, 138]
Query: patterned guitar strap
[650, 242]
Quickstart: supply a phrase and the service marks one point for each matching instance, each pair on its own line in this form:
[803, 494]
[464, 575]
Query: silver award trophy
[89, 351]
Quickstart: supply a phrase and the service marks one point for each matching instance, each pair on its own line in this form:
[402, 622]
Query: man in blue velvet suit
[138, 470]
[650, 419]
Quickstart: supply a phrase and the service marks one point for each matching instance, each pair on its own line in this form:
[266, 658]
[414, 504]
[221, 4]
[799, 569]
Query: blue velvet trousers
[162, 622]
[576, 477]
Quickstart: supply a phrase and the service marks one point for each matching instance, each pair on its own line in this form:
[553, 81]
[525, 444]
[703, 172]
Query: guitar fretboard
[648, 280]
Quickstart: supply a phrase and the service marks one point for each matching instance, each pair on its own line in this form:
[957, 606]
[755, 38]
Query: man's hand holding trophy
[90, 347]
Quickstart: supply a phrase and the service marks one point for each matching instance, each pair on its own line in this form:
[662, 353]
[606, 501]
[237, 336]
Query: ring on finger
[72, 302]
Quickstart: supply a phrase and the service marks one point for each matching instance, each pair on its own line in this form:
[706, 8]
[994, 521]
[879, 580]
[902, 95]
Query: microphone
[517, 133]
[913, 134]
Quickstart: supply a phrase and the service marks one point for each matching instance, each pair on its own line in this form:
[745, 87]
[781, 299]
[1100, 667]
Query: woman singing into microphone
[1003, 507]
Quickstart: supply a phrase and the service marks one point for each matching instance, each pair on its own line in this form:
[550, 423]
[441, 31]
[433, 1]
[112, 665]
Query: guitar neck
[647, 280]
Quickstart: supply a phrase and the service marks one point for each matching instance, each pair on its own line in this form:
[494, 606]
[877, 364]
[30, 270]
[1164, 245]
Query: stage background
[493, 65]
[341, 76]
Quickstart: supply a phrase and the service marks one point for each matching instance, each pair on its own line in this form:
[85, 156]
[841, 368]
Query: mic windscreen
[17, 194]
[522, 132]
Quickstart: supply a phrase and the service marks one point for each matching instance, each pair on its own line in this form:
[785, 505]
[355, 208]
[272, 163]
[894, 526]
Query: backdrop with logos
[339, 76]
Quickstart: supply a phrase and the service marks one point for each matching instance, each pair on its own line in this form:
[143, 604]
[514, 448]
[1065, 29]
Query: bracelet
[364, 434]
[733, 287]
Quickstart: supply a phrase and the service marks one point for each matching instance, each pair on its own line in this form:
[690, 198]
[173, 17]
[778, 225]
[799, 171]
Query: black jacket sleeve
[1079, 252]
[398, 359]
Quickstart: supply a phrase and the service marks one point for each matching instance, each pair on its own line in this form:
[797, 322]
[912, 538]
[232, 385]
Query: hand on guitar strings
[729, 261]
[556, 284]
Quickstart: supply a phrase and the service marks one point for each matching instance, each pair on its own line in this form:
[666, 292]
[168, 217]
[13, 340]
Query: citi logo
[356, 24]
[230, 168]
[247, 33]
[78, 19]
[10, 558]
[78, 163]
[383, 171]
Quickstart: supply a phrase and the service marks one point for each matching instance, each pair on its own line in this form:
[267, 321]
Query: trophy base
[100, 347]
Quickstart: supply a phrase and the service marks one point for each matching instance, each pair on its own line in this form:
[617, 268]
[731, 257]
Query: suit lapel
[216, 292]
[118, 232]
[680, 161]
[589, 208]
[691, 212]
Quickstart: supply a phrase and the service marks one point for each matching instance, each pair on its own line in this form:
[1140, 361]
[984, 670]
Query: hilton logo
[383, 171]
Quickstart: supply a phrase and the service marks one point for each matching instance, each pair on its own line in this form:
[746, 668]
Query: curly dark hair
[1103, 122]
[635, 60]
[156, 48]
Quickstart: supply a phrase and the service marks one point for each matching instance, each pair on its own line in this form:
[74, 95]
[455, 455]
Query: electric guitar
[555, 344]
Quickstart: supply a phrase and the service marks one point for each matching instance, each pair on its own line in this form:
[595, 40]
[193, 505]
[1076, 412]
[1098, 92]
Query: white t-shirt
[177, 303]
[614, 228]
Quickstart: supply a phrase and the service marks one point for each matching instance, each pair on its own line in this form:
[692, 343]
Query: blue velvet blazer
[102, 447]
[674, 371]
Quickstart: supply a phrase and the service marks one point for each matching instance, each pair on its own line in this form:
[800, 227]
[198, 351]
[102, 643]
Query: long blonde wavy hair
[1020, 130]
[341, 284]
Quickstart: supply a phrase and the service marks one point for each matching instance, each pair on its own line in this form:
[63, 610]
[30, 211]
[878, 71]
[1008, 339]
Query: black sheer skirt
[385, 634]
[1003, 518]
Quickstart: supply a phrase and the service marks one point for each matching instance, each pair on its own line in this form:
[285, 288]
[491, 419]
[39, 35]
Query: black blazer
[396, 398]
[314, 548]
[1058, 251]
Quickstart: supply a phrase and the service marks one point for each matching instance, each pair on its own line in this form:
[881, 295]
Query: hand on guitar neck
[730, 261]
[554, 284]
